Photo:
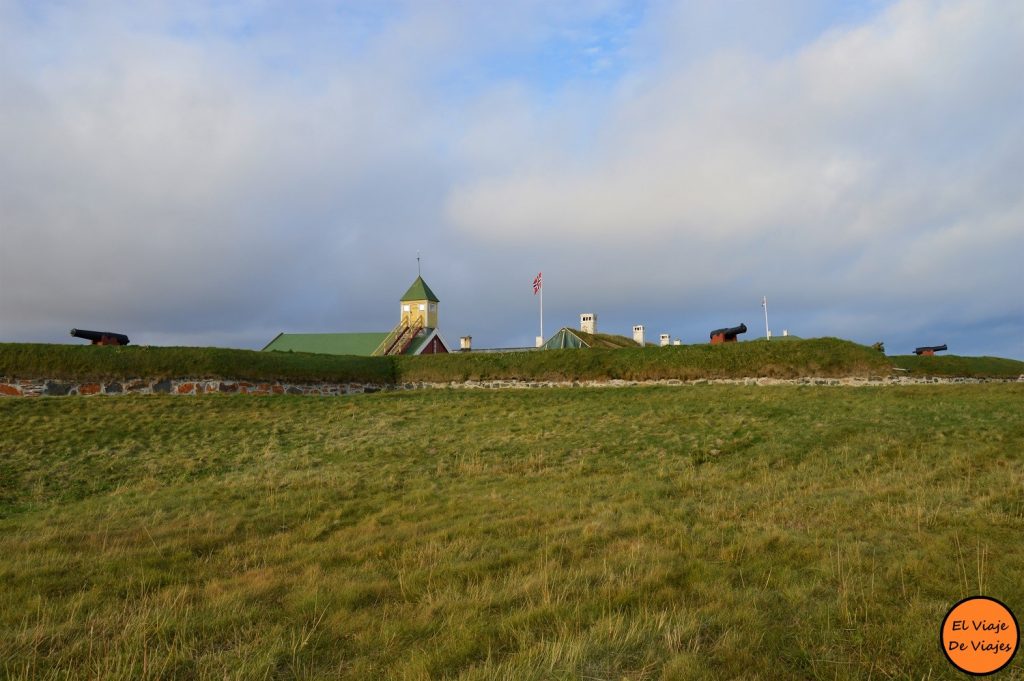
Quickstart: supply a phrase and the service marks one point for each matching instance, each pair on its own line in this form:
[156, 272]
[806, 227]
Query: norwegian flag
[538, 283]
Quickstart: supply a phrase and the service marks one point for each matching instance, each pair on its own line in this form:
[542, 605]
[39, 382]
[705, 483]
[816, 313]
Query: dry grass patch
[701, 532]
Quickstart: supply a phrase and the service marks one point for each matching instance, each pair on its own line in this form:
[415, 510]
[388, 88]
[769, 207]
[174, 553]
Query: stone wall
[182, 386]
[202, 386]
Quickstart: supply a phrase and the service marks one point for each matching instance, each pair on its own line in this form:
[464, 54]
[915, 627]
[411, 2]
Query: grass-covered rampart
[824, 357]
[954, 365]
[819, 357]
[96, 363]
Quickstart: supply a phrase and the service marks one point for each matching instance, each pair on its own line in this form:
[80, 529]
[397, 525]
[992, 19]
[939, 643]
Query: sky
[214, 173]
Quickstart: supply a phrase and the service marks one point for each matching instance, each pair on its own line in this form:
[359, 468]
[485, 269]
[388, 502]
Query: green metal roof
[419, 291]
[564, 338]
[362, 344]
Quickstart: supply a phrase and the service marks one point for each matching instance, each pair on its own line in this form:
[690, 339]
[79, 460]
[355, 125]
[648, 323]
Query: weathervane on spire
[419, 273]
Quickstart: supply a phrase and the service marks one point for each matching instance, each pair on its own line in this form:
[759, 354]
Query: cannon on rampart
[101, 337]
[727, 335]
[929, 350]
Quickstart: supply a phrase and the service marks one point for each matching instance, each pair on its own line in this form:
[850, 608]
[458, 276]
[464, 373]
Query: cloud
[177, 185]
[738, 145]
[200, 173]
[875, 161]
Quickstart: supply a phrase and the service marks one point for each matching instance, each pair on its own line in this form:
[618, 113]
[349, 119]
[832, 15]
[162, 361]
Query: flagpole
[542, 310]
[538, 289]
[764, 304]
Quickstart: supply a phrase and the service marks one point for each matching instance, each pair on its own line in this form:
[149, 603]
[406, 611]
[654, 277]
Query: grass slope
[644, 533]
[819, 357]
[605, 340]
[954, 365]
[89, 362]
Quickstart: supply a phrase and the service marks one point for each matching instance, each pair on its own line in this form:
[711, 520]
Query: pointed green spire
[419, 291]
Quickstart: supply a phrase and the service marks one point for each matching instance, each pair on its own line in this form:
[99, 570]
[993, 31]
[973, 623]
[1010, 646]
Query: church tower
[419, 305]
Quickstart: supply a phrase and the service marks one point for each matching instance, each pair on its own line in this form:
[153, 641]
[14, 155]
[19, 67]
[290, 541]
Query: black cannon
[101, 337]
[727, 335]
[929, 350]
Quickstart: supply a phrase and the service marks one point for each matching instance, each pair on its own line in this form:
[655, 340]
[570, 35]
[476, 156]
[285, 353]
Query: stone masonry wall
[10, 387]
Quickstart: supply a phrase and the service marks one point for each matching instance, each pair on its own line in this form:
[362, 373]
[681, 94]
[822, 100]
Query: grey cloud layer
[875, 170]
[220, 190]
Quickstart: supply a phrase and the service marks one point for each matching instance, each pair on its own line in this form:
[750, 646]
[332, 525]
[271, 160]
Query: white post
[542, 308]
[764, 304]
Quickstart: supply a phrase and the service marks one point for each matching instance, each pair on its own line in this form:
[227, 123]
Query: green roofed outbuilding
[415, 334]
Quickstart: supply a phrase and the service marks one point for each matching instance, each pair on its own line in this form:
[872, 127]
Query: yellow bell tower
[419, 306]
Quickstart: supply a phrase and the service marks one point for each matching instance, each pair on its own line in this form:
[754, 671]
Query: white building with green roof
[415, 334]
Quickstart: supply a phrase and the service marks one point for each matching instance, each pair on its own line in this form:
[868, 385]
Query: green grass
[644, 533]
[100, 363]
[606, 340]
[819, 357]
[824, 357]
[954, 365]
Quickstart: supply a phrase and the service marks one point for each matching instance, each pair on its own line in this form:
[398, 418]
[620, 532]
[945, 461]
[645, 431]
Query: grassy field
[645, 533]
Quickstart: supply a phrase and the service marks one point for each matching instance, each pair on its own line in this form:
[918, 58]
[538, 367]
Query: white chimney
[588, 322]
[785, 332]
[539, 340]
[676, 342]
[638, 334]
[466, 343]
[664, 340]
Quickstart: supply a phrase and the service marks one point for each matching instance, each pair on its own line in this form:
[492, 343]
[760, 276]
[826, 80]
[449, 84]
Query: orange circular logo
[980, 635]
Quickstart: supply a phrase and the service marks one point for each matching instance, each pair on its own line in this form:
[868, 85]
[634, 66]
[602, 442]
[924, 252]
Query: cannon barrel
[730, 333]
[929, 348]
[101, 337]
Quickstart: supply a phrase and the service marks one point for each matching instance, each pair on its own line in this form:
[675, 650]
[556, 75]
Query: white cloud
[874, 158]
[739, 144]
[190, 172]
